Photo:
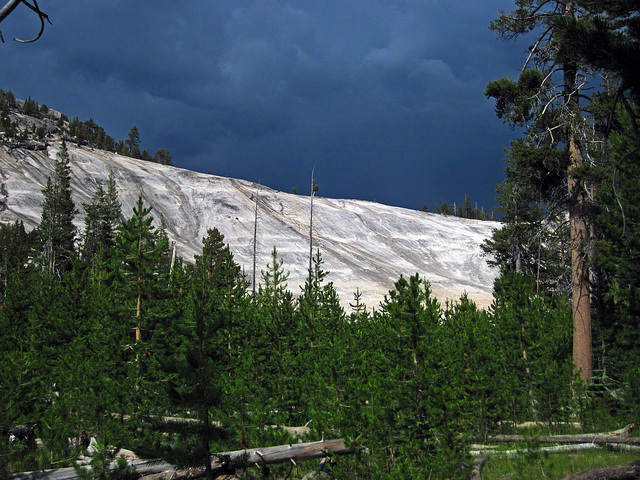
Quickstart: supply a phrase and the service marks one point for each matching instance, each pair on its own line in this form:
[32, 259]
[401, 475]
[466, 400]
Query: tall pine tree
[57, 231]
[100, 223]
[546, 99]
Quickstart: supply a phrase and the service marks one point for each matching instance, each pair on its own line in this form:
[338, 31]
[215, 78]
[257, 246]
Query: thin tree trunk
[205, 445]
[173, 257]
[138, 325]
[311, 222]
[532, 401]
[255, 240]
[138, 285]
[229, 322]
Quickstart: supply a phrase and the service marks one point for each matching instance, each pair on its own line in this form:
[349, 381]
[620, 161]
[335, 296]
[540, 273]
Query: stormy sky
[383, 97]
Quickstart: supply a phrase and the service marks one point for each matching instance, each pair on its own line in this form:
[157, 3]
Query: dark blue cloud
[384, 97]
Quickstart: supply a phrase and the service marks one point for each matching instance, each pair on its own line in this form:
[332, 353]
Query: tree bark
[581, 289]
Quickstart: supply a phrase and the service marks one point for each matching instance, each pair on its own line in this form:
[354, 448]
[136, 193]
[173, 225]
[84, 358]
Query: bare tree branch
[6, 11]
[43, 16]
[8, 8]
[534, 48]
[11, 5]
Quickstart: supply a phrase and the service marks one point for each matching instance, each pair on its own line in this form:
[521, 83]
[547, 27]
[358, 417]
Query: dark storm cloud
[384, 97]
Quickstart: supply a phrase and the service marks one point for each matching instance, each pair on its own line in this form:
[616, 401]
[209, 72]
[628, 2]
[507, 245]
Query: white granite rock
[364, 245]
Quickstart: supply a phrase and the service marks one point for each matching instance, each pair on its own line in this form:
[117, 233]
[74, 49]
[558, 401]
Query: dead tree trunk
[222, 461]
[629, 471]
[566, 439]
[478, 464]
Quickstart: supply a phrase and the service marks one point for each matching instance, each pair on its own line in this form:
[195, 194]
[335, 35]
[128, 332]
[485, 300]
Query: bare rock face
[364, 245]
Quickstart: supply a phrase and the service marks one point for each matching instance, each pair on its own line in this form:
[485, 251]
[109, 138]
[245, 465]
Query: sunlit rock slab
[365, 246]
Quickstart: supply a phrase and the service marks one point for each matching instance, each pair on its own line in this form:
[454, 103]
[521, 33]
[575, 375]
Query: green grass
[552, 466]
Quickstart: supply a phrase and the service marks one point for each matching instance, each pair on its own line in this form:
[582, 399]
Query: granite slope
[364, 245]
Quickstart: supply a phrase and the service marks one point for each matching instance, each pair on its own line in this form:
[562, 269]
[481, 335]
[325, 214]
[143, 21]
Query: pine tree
[608, 40]
[146, 308]
[199, 366]
[546, 99]
[358, 308]
[531, 341]
[223, 274]
[163, 157]
[617, 288]
[133, 142]
[467, 210]
[57, 231]
[20, 384]
[121, 148]
[275, 339]
[423, 389]
[310, 301]
[15, 246]
[533, 240]
[320, 326]
[100, 223]
[143, 250]
[30, 107]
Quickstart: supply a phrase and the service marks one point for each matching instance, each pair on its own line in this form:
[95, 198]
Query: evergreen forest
[39, 124]
[105, 332]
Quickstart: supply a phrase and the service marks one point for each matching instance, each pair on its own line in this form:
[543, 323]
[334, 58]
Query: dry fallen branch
[620, 436]
[226, 461]
[478, 464]
[522, 425]
[596, 439]
[558, 448]
[618, 439]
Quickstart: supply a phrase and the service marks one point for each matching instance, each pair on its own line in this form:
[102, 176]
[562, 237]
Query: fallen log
[597, 439]
[524, 425]
[558, 448]
[629, 471]
[478, 464]
[223, 461]
[285, 453]
[625, 448]
[622, 431]
[295, 432]
[192, 421]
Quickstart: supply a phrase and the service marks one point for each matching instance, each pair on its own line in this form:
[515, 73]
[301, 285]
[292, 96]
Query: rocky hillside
[364, 245]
